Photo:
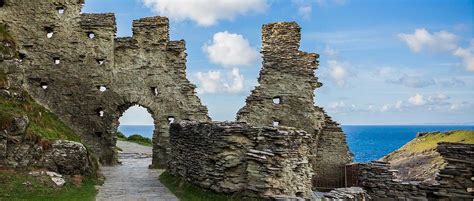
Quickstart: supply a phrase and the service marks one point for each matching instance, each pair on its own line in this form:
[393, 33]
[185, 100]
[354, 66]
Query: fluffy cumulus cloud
[338, 72]
[230, 49]
[417, 99]
[205, 12]
[467, 55]
[214, 82]
[438, 41]
[442, 41]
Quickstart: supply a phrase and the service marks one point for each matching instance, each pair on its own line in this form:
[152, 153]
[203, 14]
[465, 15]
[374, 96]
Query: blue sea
[366, 142]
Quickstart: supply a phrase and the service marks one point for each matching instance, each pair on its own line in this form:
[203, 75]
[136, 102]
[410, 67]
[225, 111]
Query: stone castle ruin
[73, 64]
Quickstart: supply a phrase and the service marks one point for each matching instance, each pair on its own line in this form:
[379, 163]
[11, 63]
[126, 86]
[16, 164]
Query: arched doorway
[135, 135]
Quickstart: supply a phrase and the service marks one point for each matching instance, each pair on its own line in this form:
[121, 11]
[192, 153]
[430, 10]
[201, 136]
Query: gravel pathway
[133, 180]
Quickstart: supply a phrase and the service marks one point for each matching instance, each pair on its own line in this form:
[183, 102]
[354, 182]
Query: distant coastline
[367, 142]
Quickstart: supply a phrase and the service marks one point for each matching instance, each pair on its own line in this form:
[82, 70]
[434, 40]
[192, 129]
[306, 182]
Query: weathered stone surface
[70, 58]
[233, 157]
[285, 97]
[62, 156]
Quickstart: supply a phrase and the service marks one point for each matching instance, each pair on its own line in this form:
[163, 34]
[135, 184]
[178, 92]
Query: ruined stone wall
[285, 97]
[235, 157]
[69, 59]
[454, 181]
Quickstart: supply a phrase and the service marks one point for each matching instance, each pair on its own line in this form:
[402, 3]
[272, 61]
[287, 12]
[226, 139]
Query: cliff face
[419, 159]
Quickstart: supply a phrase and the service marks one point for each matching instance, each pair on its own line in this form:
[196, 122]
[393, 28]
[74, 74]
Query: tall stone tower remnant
[284, 97]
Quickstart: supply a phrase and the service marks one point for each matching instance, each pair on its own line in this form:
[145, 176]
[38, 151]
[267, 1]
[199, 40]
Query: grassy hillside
[43, 123]
[418, 160]
[430, 141]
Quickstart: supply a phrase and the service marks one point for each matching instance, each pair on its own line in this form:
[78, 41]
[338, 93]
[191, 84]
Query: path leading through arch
[133, 180]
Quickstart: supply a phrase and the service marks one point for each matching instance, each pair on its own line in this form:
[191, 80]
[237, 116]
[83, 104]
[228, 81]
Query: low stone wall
[454, 181]
[235, 157]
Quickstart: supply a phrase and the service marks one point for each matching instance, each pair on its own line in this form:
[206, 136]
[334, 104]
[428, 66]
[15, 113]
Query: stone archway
[88, 78]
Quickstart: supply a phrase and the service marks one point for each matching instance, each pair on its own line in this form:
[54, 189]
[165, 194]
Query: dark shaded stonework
[285, 97]
[69, 58]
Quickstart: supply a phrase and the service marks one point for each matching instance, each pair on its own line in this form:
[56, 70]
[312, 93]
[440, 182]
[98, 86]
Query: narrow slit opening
[154, 91]
[49, 32]
[44, 85]
[102, 88]
[171, 119]
[57, 61]
[275, 123]
[91, 35]
[60, 10]
[277, 100]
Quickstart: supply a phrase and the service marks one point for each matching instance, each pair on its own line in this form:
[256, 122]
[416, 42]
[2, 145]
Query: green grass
[136, 138]
[430, 141]
[43, 123]
[187, 192]
[41, 188]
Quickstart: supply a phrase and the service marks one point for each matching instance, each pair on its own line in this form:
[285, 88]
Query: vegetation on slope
[21, 186]
[418, 160]
[43, 123]
[136, 138]
[187, 192]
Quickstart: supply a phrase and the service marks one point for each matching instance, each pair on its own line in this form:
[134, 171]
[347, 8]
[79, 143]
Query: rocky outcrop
[454, 181]
[235, 157]
[420, 159]
[23, 151]
[284, 97]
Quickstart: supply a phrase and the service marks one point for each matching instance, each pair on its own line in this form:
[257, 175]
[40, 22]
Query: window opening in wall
[49, 32]
[171, 119]
[44, 85]
[2, 3]
[60, 10]
[277, 100]
[91, 35]
[56, 60]
[100, 112]
[100, 61]
[276, 123]
[98, 134]
[102, 88]
[154, 91]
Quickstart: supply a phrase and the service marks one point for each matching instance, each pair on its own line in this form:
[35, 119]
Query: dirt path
[133, 180]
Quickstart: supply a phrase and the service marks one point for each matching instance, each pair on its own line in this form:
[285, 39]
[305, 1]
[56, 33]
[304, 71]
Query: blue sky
[382, 62]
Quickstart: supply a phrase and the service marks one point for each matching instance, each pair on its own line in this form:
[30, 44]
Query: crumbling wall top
[90, 20]
[153, 30]
[284, 36]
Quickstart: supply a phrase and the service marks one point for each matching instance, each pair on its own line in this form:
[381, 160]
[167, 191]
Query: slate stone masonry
[235, 157]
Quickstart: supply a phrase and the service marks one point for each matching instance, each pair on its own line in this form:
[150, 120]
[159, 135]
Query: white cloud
[337, 72]
[205, 12]
[442, 41]
[230, 49]
[213, 82]
[304, 8]
[414, 79]
[467, 55]
[438, 41]
[331, 53]
[417, 100]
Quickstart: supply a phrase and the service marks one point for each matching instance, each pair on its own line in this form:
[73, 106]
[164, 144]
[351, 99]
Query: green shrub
[121, 136]
[139, 139]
